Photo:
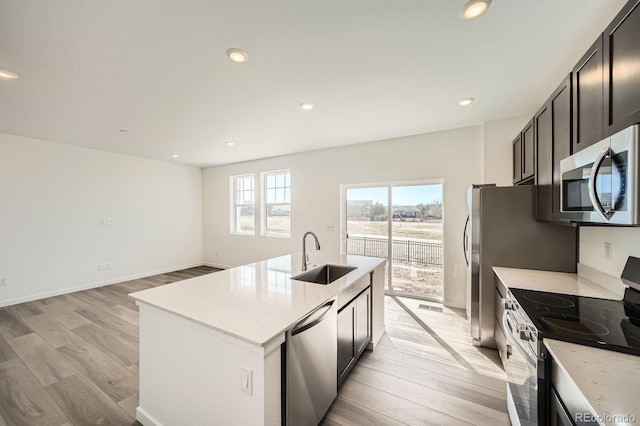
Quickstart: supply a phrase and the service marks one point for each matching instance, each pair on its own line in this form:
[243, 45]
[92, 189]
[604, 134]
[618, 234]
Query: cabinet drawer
[349, 293]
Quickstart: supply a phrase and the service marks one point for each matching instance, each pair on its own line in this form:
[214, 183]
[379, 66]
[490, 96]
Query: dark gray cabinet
[587, 98]
[552, 125]
[528, 151]
[524, 156]
[621, 47]
[363, 323]
[517, 159]
[354, 332]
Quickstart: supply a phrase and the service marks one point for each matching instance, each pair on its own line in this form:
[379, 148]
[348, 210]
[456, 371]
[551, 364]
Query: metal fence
[410, 252]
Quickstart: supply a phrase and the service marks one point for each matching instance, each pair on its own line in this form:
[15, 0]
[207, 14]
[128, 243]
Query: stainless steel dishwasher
[312, 366]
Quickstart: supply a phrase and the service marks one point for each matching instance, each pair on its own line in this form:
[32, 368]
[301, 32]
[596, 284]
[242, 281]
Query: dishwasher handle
[313, 319]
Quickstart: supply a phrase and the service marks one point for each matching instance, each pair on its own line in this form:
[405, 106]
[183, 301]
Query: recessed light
[465, 101]
[7, 75]
[474, 8]
[237, 55]
[307, 106]
[174, 155]
[229, 143]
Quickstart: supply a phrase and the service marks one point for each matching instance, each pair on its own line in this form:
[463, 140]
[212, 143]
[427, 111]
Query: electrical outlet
[3, 281]
[109, 265]
[109, 221]
[246, 380]
[330, 228]
[608, 251]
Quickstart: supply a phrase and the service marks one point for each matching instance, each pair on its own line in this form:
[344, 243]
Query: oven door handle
[591, 184]
[527, 352]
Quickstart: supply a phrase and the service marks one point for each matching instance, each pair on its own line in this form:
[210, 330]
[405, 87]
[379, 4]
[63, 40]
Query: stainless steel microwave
[600, 183]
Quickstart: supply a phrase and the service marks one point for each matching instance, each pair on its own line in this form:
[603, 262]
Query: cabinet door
[587, 98]
[363, 323]
[552, 125]
[346, 341]
[557, 413]
[561, 136]
[621, 76]
[544, 163]
[517, 159]
[528, 151]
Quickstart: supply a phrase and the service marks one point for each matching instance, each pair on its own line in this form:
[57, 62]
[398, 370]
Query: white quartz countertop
[608, 380]
[255, 302]
[554, 282]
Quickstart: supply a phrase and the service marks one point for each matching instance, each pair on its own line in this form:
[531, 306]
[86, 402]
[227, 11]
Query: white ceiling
[375, 69]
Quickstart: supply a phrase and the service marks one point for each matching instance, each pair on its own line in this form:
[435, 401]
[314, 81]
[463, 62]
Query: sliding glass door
[403, 222]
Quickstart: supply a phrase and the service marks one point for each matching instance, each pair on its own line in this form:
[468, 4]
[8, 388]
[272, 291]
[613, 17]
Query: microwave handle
[592, 183]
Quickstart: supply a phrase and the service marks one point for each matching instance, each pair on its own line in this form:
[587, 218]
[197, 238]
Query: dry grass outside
[418, 281]
[275, 224]
[430, 230]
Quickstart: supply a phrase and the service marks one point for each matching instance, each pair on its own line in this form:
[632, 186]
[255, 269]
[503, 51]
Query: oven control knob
[525, 333]
[508, 304]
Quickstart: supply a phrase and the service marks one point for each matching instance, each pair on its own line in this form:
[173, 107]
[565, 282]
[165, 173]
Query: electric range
[530, 316]
[606, 324]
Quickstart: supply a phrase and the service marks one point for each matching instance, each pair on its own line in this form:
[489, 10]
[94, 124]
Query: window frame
[264, 205]
[234, 204]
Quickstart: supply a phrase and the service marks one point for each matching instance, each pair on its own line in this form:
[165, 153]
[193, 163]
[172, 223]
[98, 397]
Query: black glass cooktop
[608, 324]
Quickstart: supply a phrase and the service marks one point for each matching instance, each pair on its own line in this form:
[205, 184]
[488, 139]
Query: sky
[401, 195]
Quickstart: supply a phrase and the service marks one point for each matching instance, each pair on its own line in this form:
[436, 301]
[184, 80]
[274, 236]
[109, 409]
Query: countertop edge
[548, 343]
[593, 289]
[376, 263]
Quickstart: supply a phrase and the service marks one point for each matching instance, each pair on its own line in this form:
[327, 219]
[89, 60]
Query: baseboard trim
[145, 418]
[454, 304]
[217, 265]
[88, 286]
[373, 344]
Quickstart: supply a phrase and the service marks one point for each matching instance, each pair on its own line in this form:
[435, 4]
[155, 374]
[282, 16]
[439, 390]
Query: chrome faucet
[305, 256]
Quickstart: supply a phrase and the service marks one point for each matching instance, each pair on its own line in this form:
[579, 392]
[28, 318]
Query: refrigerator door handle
[465, 238]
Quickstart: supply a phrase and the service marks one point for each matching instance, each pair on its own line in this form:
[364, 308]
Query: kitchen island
[211, 347]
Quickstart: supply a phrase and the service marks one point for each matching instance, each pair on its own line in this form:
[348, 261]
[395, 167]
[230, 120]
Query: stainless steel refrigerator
[501, 230]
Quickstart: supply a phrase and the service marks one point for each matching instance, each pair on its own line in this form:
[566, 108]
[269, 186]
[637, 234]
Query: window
[244, 205]
[277, 203]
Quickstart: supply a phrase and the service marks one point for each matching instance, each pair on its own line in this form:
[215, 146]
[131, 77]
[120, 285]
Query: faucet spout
[305, 256]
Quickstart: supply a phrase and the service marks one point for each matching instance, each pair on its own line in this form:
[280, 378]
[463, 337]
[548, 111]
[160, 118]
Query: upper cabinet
[587, 98]
[606, 82]
[599, 98]
[621, 77]
[552, 125]
[524, 156]
[528, 152]
[517, 159]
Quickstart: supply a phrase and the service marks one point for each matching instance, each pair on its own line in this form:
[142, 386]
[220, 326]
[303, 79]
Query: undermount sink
[325, 274]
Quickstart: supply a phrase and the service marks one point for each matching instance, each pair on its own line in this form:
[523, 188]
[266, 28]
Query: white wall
[625, 242]
[52, 198]
[498, 138]
[454, 155]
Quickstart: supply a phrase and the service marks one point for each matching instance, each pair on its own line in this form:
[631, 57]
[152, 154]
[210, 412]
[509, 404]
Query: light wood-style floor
[424, 372]
[73, 360]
